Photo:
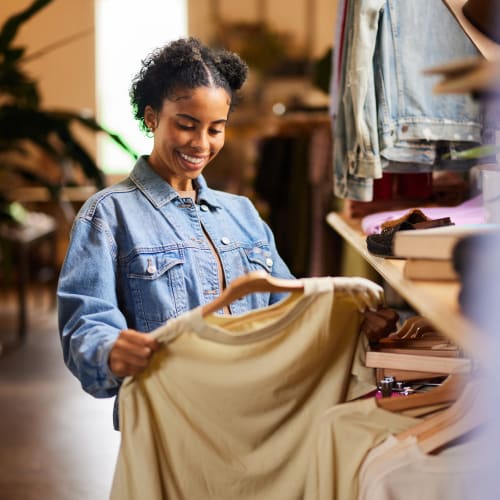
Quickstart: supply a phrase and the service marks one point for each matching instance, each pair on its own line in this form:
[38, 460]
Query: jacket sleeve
[88, 313]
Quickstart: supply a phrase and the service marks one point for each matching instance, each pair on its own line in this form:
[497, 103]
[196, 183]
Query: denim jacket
[388, 118]
[138, 256]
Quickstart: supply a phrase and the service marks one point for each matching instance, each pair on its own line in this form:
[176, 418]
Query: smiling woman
[161, 242]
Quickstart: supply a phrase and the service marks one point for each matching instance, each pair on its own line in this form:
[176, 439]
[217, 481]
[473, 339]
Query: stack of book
[429, 252]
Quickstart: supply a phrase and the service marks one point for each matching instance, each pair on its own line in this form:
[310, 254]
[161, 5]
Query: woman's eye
[215, 131]
[185, 127]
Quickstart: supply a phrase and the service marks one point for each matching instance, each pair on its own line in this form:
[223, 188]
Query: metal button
[225, 240]
[203, 208]
[151, 267]
[269, 262]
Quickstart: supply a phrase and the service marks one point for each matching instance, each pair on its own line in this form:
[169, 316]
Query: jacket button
[225, 240]
[269, 262]
[151, 267]
[203, 208]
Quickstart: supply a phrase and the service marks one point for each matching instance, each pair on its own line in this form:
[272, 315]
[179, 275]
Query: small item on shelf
[438, 242]
[382, 243]
[430, 269]
[386, 386]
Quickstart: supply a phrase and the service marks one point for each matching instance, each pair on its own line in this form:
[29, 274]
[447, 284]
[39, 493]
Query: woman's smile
[193, 162]
[189, 133]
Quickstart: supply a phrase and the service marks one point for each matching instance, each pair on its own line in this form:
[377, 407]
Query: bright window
[126, 31]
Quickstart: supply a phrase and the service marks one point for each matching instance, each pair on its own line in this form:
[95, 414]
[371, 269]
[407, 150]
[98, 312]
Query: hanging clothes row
[226, 409]
[422, 448]
[385, 115]
[267, 405]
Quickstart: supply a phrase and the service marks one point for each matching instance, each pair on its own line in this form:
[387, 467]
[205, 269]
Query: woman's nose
[201, 141]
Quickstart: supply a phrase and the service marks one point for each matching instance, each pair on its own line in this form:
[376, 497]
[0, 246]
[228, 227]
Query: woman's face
[189, 132]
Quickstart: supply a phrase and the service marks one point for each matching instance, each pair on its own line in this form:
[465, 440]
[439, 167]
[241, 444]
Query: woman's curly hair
[184, 63]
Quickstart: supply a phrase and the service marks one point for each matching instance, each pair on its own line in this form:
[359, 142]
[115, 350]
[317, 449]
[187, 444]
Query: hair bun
[232, 68]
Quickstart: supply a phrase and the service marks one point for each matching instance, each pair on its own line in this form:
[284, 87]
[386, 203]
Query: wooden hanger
[413, 327]
[252, 282]
[418, 328]
[424, 342]
[403, 329]
[466, 414]
[447, 392]
[431, 364]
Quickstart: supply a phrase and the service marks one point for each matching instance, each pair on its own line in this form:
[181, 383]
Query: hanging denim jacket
[388, 113]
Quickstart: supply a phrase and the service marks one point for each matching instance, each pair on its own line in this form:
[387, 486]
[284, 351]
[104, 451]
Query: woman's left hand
[379, 323]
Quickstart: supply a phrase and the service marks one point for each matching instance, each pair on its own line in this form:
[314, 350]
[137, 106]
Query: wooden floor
[56, 442]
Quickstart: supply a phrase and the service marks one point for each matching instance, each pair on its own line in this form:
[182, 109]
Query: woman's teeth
[191, 159]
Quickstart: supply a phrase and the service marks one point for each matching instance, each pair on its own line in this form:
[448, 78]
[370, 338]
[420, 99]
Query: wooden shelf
[437, 301]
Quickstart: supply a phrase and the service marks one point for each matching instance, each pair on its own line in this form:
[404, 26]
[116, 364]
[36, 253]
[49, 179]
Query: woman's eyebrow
[192, 118]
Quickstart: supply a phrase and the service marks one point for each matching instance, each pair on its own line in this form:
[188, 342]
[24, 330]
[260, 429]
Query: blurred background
[66, 129]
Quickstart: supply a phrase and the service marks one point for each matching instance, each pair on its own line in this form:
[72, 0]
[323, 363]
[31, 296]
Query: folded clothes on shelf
[469, 212]
[382, 243]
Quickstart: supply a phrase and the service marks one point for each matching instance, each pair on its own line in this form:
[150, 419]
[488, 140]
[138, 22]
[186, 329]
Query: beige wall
[66, 74]
[295, 16]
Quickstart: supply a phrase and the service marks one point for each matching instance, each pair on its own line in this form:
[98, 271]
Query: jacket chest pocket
[259, 258]
[256, 259]
[157, 283]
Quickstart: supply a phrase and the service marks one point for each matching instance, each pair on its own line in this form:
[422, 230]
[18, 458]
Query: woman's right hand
[131, 353]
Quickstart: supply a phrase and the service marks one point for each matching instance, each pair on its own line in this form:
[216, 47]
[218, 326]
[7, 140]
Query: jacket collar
[160, 192]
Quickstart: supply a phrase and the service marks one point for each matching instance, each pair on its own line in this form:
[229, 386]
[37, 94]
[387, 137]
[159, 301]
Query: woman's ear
[150, 118]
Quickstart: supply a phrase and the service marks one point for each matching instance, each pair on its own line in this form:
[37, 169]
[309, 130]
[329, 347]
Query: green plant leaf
[22, 122]
[74, 150]
[13, 23]
[15, 86]
[18, 124]
[90, 123]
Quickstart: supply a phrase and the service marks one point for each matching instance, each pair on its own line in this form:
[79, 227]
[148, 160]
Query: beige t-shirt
[344, 436]
[399, 469]
[228, 409]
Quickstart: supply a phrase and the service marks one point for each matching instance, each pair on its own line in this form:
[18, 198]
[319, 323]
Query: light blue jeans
[388, 113]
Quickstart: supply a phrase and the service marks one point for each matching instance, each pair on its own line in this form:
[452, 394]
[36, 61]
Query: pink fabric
[468, 212]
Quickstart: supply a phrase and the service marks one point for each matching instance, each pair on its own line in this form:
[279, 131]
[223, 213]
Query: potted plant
[32, 137]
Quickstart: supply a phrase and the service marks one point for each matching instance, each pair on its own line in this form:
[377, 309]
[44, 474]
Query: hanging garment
[388, 117]
[339, 34]
[228, 409]
[399, 469]
[344, 435]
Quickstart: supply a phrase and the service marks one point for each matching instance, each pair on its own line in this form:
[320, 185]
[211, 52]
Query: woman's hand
[379, 323]
[131, 353]
[365, 293]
